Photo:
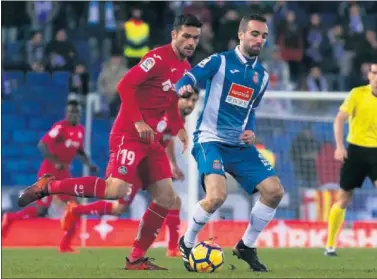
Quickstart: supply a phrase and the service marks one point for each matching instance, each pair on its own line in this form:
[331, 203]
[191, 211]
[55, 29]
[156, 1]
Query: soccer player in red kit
[59, 146]
[172, 221]
[147, 92]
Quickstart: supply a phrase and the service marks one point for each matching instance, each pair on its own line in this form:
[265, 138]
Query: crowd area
[312, 46]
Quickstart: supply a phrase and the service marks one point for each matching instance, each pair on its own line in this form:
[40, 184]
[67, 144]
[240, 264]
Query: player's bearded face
[187, 105]
[73, 115]
[186, 39]
[254, 38]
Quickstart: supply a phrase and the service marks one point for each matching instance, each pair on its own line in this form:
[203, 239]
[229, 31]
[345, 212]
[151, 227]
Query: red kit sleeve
[146, 69]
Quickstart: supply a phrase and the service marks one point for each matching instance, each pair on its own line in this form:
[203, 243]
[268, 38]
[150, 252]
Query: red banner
[121, 233]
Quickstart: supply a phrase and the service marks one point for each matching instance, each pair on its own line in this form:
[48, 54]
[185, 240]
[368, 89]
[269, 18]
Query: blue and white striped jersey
[234, 88]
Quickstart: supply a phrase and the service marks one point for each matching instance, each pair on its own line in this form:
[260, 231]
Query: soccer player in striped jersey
[224, 137]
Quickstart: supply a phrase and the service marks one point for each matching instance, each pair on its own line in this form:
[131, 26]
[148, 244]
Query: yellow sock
[336, 218]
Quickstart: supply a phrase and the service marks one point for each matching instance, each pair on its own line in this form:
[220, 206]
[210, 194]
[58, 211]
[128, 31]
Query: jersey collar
[242, 58]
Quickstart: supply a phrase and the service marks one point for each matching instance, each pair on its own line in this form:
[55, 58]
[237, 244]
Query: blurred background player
[360, 158]
[59, 147]
[147, 92]
[224, 137]
[172, 221]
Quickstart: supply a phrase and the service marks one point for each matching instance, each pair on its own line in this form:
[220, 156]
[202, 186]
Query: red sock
[173, 222]
[87, 187]
[26, 213]
[95, 208]
[67, 237]
[149, 228]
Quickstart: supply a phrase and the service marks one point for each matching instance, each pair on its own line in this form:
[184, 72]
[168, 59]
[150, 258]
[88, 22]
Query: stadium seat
[13, 122]
[17, 77]
[13, 51]
[8, 107]
[27, 136]
[40, 123]
[34, 79]
[31, 108]
[61, 79]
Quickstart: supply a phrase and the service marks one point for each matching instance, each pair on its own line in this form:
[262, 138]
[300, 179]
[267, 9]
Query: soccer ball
[206, 256]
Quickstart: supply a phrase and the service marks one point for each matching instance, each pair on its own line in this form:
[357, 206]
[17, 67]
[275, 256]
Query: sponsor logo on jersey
[147, 64]
[122, 170]
[167, 85]
[239, 95]
[216, 165]
[71, 143]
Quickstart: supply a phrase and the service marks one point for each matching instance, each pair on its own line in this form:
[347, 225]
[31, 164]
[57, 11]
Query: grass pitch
[108, 263]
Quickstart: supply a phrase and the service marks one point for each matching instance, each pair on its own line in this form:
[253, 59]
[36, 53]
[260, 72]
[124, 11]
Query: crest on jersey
[147, 64]
[122, 170]
[256, 78]
[216, 165]
[239, 95]
[161, 126]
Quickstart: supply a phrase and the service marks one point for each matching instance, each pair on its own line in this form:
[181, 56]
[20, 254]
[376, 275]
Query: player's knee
[272, 191]
[42, 211]
[215, 201]
[344, 198]
[116, 188]
[166, 201]
[119, 208]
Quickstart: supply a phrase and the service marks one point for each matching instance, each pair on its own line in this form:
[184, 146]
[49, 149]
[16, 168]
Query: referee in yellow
[360, 158]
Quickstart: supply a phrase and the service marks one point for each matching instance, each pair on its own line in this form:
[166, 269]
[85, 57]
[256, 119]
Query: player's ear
[174, 34]
[241, 35]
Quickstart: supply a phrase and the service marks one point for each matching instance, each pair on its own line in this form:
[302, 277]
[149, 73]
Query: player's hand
[182, 135]
[177, 172]
[59, 166]
[146, 133]
[93, 168]
[248, 137]
[340, 154]
[186, 91]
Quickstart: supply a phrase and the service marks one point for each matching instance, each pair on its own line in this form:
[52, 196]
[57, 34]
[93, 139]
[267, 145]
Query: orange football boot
[142, 264]
[35, 192]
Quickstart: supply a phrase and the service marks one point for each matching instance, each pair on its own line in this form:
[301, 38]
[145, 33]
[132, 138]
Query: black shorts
[361, 163]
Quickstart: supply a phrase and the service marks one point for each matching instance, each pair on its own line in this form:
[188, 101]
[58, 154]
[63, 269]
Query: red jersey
[148, 92]
[63, 141]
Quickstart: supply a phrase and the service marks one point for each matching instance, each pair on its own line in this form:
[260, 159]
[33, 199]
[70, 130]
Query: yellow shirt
[361, 105]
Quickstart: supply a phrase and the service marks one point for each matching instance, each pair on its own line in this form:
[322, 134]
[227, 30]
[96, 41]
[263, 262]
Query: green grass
[108, 263]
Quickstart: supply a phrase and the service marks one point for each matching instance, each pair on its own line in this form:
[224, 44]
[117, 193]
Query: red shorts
[133, 161]
[59, 174]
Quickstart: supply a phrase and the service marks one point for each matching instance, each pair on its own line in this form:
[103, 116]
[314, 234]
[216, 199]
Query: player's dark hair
[73, 103]
[186, 20]
[245, 21]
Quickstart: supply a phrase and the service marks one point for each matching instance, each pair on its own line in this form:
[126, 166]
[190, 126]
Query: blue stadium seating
[15, 76]
[61, 79]
[42, 79]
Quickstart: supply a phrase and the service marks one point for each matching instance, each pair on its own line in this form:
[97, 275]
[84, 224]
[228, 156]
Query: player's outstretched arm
[206, 69]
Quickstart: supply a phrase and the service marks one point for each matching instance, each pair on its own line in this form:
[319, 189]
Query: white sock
[261, 215]
[196, 224]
